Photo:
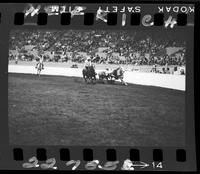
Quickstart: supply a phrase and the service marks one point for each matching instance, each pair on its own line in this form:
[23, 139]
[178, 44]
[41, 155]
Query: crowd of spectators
[133, 47]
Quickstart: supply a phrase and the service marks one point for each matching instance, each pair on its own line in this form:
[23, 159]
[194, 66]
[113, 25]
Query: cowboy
[41, 60]
[17, 55]
[154, 68]
[88, 63]
[16, 58]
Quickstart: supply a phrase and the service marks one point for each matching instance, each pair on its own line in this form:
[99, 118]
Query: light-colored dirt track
[150, 79]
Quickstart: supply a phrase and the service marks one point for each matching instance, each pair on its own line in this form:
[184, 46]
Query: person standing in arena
[16, 59]
[39, 66]
[62, 57]
[17, 55]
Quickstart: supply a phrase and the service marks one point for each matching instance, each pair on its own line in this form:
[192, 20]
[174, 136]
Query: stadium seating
[114, 47]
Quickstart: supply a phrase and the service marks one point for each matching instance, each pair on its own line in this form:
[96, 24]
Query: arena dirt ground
[52, 110]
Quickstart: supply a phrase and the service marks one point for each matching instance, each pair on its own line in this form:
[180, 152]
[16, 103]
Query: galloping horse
[118, 74]
[89, 73]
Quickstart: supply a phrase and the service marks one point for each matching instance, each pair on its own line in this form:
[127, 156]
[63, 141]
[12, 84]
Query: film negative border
[90, 161]
[91, 158]
[89, 19]
[95, 158]
[110, 154]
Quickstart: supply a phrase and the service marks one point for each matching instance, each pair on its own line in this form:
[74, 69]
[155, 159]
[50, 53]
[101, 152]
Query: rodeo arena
[96, 87]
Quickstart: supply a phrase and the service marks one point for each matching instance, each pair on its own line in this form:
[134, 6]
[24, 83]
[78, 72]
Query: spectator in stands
[133, 45]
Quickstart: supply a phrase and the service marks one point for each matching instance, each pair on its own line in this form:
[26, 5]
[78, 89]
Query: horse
[89, 73]
[39, 68]
[118, 73]
[104, 75]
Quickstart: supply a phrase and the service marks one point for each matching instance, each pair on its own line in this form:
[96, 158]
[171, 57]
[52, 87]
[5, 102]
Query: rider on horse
[88, 63]
[89, 70]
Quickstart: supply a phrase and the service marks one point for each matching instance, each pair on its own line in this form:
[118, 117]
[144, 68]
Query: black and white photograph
[97, 87]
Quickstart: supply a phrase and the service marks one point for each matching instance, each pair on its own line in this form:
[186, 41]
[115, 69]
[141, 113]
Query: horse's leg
[112, 79]
[90, 80]
[95, 79]
[85, 79]
[108, 78]
[101, 79]
[123, 82]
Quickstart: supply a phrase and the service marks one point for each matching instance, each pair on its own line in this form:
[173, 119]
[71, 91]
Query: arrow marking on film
[142, 165]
